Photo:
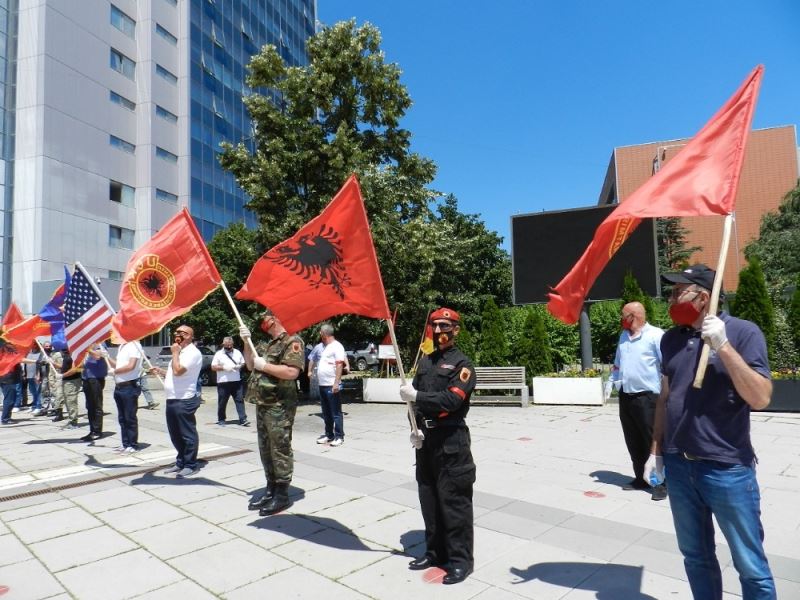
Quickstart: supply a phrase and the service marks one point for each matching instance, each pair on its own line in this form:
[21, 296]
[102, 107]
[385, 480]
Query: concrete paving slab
[122, 576]
[185, 589]
[80, 548]
[117, 496]
[52, 524]
[269, 532]
[142, 516]
[175, 538]
[295, 583]
[12, 550]
[29, 580]
[229, 565]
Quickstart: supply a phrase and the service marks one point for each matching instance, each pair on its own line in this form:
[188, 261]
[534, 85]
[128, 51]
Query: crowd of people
[691, 440]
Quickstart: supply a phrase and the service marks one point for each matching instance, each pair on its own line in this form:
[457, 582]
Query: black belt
[127, 383]
[434, 423]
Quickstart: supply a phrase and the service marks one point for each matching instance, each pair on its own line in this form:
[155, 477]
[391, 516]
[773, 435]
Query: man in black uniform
[445, 469]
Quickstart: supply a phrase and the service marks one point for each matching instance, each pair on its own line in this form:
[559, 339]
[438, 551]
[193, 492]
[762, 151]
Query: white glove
[244, 332]
[103, 352]
[259, 363]
[408, 393]
[654, 470]
[417, 439]
[59, 376]
[607, 389]
[111, 371]
[238, 367]
[713, 332]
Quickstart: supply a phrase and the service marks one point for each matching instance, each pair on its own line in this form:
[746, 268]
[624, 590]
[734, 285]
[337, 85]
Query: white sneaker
[323, 439]
[130, 450]
[337, 442]
[119, 449]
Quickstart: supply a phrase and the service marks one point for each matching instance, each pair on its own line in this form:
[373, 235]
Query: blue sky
[520, 103]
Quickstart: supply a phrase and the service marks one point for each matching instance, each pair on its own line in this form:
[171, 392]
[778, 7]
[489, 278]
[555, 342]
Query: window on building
[120, 237]
[166, 115]
[116, 275]
[119, 192]
[166, 35]
[173, 2]
[166, 155]
[166, 196]
[121, 100]
[217, 36]
[123, 22]
[122, 64]
[121, 144]
[163, 73]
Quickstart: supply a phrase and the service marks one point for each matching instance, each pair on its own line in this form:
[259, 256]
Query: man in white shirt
[227, 363]
[126, 369]
[180, 387]
[329, 374]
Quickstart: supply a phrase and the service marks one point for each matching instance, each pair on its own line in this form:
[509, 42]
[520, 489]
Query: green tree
[752, 302]
[673, 252]
[632, 292]
[494, 345]
[466, 343]
[778, 244]
[234, 252]
[604, 317]
[564, 340]
[316, 124]
[786, 354]
[793, 316]
[533, 348]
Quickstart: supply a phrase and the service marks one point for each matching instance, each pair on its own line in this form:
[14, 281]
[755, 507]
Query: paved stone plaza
[552, 520]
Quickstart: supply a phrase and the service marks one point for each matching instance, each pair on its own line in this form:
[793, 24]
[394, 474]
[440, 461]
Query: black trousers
[93, 390]
[636, 414]
[445, 475]
[226, 390]
[182, 427]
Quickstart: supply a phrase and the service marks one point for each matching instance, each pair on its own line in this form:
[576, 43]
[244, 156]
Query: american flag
[86, 316]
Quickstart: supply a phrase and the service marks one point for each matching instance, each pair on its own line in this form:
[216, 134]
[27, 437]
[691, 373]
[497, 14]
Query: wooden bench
[502, 378]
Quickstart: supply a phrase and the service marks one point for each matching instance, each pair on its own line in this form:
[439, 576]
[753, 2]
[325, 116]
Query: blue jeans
[182, 427]
[35, 391]
[700, 488]
[331, 412]
[9, 396]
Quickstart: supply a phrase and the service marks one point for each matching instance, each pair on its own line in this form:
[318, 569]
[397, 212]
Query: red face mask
[684, 313]
[625, 324]
[266, 324]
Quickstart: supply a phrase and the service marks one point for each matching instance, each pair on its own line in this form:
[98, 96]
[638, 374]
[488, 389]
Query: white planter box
[382, 390]
[568, 390]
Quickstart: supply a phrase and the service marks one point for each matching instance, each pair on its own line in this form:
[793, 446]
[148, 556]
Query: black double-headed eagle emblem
[317, 258]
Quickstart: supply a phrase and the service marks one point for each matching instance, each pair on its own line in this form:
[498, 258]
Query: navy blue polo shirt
[94, 368]
[712, 422]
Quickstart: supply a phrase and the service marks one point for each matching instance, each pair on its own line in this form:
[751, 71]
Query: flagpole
[248, 341]
[402, 376]
[421, 341]
[714, 301]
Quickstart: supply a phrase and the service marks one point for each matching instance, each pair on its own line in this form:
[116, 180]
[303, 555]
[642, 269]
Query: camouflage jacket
[284, 350]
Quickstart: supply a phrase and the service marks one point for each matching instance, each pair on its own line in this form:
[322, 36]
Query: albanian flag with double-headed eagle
[327, 268]
[164, 279]
[701, 180]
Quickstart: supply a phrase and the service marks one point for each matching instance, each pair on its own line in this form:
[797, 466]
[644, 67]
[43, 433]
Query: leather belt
[688, 456]
[127, 383]
[433, 423]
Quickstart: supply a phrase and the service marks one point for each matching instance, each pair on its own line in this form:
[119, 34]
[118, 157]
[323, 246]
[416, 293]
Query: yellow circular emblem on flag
[151, 283]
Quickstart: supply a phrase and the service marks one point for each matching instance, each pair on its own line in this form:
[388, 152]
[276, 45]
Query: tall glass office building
[113, 111]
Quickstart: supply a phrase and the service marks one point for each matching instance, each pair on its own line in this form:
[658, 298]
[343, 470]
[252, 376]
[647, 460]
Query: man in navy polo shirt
[704, 435]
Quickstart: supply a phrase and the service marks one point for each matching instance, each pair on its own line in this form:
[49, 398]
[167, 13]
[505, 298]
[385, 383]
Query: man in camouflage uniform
[440, 395]
[272, 387]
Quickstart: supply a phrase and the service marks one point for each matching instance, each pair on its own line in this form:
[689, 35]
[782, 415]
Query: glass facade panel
[121, 144]
[166, 196]
[166, 35]
[166, 115]
[223, 36]
[121, 100]
[123, 22]
[119, 192]
[120, 237]
[165, 74]
[122, 64]
[166, 155]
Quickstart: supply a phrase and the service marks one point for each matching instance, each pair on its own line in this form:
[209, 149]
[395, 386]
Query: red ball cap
[444, 313]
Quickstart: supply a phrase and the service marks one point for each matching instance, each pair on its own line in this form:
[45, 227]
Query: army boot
[269, 492]
[278, 502]
[59, 415]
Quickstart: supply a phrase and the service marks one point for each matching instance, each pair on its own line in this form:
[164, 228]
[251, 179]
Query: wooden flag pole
[714, 301]
[249, 341]
[402, 373]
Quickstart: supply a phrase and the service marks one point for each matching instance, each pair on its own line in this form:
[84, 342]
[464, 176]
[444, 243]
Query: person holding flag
[702, 437]
[445, 469]
[272, 387]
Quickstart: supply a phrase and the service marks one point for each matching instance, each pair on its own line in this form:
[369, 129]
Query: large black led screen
[545, 246]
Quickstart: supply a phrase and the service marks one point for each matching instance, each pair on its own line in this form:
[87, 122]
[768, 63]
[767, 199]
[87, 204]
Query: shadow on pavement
[611, 582]
[332, 534]
[412, 538]
[611, 478]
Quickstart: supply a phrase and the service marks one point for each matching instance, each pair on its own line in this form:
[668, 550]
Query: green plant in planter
[576, 373]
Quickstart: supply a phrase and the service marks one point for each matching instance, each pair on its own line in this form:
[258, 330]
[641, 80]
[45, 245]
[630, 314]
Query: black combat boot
[278, 502]
[59, 415]
[269, 492]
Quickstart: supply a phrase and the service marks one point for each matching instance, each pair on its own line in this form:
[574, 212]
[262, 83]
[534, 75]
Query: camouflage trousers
[53, 393]
[67, 394]
[274, 422]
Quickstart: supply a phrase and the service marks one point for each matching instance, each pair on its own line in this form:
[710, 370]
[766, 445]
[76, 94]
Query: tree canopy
[341, 113]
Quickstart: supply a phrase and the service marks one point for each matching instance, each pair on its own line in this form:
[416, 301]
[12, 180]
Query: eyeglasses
[183, 332]
[678, 293]
[626, 317]
[442, 326]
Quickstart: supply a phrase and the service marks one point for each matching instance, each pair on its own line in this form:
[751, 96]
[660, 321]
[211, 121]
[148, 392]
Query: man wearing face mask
[637, 369]
[227, 363]
[180, 388]
[445, 470]
[272, 387]
[702, 437]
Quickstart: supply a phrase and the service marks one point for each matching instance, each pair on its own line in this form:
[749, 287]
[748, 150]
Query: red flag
[164, 279]
[23, 334]
[13, 316]
[700, 180]
[327, 268]
[10, 357]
